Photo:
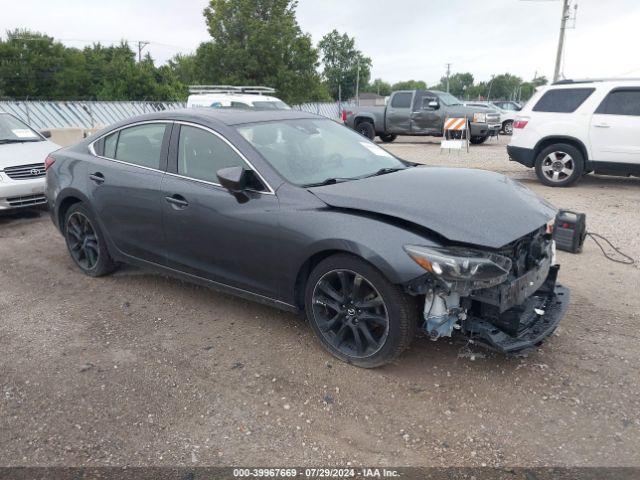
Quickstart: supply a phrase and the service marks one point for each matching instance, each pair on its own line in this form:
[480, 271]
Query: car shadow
[11, 216]
[593, 180]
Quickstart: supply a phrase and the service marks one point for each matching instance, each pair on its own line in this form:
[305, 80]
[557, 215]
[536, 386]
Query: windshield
[448, 99]
[310, 151]
[13, 130]
[266, 105]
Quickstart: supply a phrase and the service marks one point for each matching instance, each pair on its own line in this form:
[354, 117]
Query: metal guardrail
[94, 114]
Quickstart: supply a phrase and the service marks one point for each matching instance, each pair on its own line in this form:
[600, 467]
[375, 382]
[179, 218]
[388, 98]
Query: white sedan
[23, 151]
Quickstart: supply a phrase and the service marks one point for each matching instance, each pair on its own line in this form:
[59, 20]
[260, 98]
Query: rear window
[562, 100]
[401, 100]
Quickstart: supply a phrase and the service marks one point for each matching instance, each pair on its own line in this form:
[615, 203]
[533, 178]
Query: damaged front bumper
[523, 326]
[508, 318]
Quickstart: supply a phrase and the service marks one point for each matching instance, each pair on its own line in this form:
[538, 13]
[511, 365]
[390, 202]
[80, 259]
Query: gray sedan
[296, 211]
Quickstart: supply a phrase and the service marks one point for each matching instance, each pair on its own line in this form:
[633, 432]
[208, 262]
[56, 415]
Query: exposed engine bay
[505, 299]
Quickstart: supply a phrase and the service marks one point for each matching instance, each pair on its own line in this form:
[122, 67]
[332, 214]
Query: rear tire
[507, 127]
[559, 165]
[86, 243]
[388, 137]
[357, 314]
[366, 129]
[477, 140]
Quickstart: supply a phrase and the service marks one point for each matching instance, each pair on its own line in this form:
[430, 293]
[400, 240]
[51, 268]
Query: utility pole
[448, 73]
[358, 85]
[141, 45]
[563, 27]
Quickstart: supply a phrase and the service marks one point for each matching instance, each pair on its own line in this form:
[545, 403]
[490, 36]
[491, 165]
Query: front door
[125, 185]
[426, 118]
[209, 232]
[614, 127]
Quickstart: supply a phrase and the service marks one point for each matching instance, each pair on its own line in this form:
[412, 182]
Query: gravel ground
[139, 369]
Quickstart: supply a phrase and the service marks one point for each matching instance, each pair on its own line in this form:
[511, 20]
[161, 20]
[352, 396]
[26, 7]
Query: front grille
[27, 200]
[25, 172]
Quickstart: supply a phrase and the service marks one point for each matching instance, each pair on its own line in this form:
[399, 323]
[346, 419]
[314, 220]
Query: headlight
[481, 269]
[480, 117]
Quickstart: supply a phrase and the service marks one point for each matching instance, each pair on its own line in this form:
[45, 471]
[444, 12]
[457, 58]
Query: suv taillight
[520, 123]
[48, 162]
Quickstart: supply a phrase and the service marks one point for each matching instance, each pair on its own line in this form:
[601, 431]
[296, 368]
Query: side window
[621, 102]
[140, 145]
[110, 145]
[201, 154]
[427, 100]
[401, 100]
[241, 105]
[562, 100]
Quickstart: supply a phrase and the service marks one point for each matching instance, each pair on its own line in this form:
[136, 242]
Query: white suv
[572, 128]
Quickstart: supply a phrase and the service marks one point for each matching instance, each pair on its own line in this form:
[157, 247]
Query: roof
[226, 116]
[246, 97]
[569, 81]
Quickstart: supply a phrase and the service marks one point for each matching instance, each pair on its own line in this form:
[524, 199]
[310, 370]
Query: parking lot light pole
[563, 27]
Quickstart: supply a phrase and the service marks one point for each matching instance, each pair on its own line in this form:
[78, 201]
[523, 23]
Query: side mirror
[45, 133]
[433, 105]
[233, 179]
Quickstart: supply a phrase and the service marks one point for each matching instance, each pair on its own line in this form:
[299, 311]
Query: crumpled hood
[463, 205]
[25, 153]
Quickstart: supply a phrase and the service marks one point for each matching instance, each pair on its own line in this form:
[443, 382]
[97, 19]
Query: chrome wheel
[557, 166]
[350, 313]
[82, 241]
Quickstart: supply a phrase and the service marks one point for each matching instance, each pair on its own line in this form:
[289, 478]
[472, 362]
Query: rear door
[615, 127]
[125, 187]
[398, 113]
[209, 232]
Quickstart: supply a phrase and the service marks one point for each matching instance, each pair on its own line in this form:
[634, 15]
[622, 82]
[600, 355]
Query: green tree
[259, 42]
[342, 64]
[378, 86]
[410, 85]
[459, 84]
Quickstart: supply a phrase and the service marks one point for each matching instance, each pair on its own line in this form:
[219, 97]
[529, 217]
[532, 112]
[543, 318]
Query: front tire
[476, 140]
[366, 130]
[388, 137]
[357, 314]
[559, 165]
[85, 242]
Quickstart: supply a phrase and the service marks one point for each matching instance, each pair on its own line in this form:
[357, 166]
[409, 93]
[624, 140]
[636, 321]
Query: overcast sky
[406, 39]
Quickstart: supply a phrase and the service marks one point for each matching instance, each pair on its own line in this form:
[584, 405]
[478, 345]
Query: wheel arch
[364, 118]
[65, 201]
[550, 140]
[326, 251]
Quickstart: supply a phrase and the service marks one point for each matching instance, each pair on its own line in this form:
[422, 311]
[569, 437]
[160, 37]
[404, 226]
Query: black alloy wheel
[358, 315]
[84, 242]
[366, 129]
[350, 313]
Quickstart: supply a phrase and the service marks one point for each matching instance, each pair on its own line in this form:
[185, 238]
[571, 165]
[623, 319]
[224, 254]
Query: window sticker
[23, 133]
[376, 150]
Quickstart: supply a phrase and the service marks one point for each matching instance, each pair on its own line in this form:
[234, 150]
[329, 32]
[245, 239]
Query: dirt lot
[139, 369]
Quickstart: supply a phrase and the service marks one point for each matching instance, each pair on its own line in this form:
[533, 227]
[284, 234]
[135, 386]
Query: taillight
[344, 115]
[520, 123]
[48, 162]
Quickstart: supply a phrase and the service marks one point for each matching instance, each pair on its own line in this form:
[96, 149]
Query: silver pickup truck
[421, 112]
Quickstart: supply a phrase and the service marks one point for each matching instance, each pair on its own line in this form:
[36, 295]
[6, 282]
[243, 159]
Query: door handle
[97, 178]
[601, 125]
[177, 201]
